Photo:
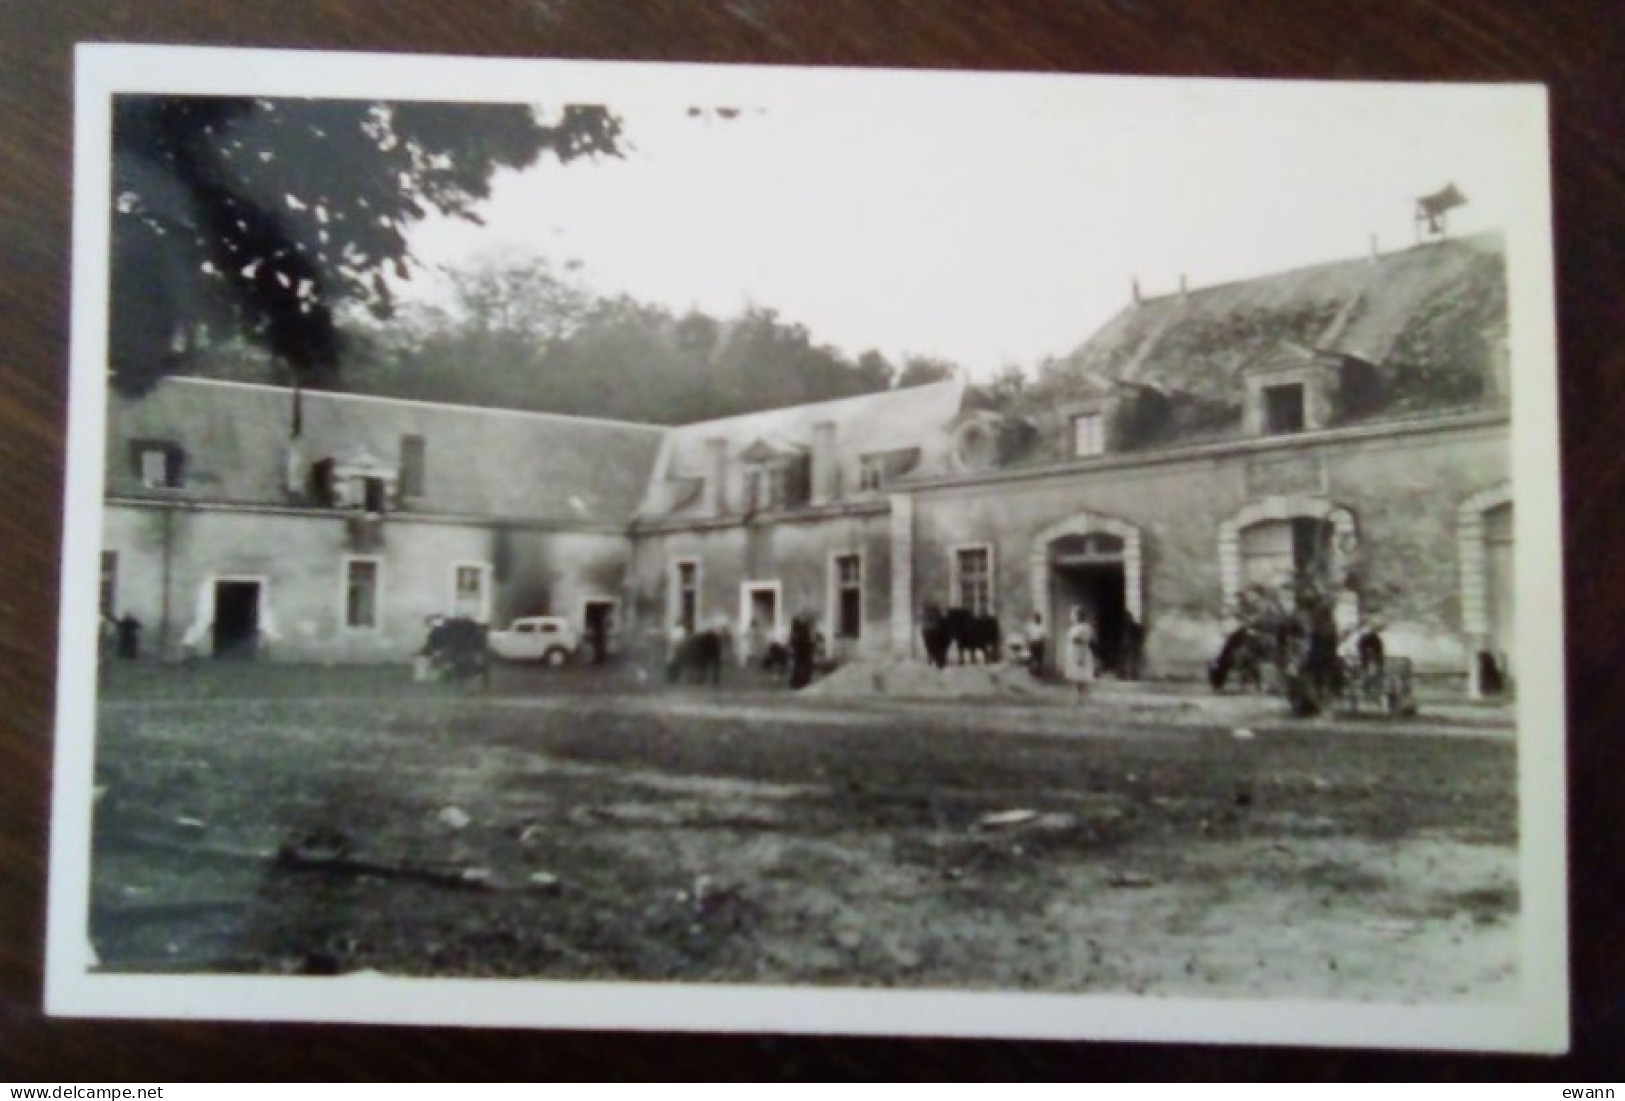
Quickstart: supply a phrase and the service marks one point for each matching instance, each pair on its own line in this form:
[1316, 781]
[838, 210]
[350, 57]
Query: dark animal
[959, 628]
[456, 651]
[1242, 658]
[700, 656]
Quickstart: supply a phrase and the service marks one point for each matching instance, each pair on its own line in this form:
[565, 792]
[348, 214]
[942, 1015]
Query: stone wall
[797, 554]
[1402, 490]
[299, 561]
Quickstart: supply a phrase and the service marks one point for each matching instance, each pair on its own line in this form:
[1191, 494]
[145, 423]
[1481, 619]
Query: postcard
[604, 545]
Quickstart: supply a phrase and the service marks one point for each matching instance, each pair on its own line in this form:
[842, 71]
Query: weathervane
[1433, 212]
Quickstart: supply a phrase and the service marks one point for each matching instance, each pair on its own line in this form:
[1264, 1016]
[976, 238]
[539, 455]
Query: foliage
[259, 217]
[519, 333]
[924, 370]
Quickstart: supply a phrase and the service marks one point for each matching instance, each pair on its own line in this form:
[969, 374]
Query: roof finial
[1136, 289]
[1432, 212]
[1183, 287]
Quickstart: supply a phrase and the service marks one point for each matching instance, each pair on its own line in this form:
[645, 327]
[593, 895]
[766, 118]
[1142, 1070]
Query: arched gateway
[1092, 561]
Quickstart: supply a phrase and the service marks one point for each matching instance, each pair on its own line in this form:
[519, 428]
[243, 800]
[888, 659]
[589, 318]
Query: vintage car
[545, 638]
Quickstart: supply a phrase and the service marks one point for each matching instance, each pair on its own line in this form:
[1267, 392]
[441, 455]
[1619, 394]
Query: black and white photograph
[616, 545]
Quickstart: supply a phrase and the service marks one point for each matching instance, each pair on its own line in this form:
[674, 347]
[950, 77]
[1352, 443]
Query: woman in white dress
[1079, 659]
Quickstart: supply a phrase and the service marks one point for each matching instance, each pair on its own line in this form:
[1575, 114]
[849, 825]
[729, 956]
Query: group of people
[1082, 657]
[704, 650]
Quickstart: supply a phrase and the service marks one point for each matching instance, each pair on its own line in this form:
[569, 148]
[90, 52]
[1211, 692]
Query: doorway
[598, 628]
[236, 619]
[1088, 572]
[759, 608]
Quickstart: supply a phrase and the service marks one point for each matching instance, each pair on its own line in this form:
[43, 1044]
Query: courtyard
[587, 823]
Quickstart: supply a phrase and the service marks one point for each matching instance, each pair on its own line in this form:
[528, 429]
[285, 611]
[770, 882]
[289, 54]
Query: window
[973, 580]
[413, 456]
[848, 596]
[374, 494]
[160, 465]
[109, 584]
[1283, 409]
[878, 469]
[688, 595]
[1088, 434]
[767, 487]
[470, 591]
[361, 593]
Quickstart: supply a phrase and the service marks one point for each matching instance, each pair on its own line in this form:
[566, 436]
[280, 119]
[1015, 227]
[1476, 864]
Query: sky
[992, 222]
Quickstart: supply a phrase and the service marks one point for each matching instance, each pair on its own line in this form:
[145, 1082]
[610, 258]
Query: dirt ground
[586, 823]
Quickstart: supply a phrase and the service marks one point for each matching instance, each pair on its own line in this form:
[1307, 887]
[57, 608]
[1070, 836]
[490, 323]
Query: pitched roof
[478, 462]
[1198, 342]
[869, 424]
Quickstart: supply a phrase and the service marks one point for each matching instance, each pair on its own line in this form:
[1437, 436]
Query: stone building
[1348, 421]
[241, 521]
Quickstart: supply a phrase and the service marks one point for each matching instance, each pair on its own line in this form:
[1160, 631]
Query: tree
[260, 217]
[920, 370]
[875, 371]
[1007, 387]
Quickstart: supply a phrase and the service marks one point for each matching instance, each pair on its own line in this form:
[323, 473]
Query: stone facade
[1392, 494]
[169, 563]
[790, 561]
[860, 512]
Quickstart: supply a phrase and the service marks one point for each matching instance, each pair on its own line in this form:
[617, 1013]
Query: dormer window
[1085, 424]
[355, 481]
[160, 464]
[374, 494]
[775, 477]
[878, 469]
[766, 488]
[1290, 390]
[1088, 434]
[1284, 409]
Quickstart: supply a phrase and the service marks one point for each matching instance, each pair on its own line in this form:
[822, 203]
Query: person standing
[1037, 638]
[801, 652]
[1080, 652]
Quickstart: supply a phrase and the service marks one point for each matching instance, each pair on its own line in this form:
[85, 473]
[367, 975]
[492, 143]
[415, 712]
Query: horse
[971, 634]
[1246, 652]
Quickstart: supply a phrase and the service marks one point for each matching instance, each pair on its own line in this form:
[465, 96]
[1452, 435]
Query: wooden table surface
[1577, 49]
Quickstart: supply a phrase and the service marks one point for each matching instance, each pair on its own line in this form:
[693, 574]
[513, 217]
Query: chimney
[823, 462]
[716, 474]
[293, 470]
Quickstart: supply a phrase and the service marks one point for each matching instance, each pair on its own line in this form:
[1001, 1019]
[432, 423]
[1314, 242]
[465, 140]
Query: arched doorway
[1277, 540]
[1484, 533]
[1093, 562]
